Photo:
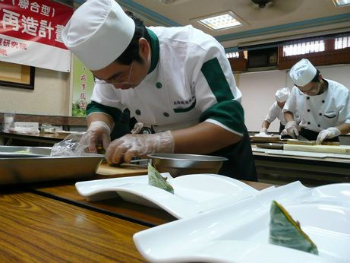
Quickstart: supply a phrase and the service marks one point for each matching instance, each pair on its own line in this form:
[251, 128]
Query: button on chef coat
[190, 81]
[329, 109]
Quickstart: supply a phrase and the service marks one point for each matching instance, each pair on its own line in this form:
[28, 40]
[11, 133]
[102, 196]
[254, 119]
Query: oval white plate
[193, 194]
[239, 234]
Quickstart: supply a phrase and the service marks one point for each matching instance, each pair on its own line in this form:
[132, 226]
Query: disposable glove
[262, 133]
[292, 129]
[97, 133]
[134, 145]
[137, 128]
[329, 133]
[284, 132]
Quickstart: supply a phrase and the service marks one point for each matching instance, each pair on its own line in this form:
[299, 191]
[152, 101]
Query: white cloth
[98, 33]
[275, 112]
[302, 72]
[329, 109]
[164, 99]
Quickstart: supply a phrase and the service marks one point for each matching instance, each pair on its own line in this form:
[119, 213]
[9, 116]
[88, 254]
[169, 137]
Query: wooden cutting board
[121, 170]
[265, 139]
[342, 149]
[295, 141]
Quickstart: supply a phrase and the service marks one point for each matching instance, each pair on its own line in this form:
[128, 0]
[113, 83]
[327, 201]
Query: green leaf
[284, 231]
[157, 180]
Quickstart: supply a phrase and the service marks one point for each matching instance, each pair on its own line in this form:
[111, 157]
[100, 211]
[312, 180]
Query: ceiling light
[340, 3]
[221, 21]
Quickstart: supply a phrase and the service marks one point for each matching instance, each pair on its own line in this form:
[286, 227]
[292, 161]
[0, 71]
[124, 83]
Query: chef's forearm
[265, 125]
[203, 138]
[99, 116]
[288, 116]
[344, 128]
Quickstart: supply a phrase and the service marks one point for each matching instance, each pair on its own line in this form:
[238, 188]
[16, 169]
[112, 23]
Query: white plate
[239, 233]
[193, 194]
[333, 193]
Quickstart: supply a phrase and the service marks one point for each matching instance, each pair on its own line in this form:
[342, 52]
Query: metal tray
[23, 151]
[37, 165]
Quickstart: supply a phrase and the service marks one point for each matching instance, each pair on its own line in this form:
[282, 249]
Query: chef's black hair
[316, 78]
[132, 51]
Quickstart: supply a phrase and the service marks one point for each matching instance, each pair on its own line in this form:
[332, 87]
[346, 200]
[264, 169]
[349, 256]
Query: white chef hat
[282, 94]
[302, 72]
[98, 33]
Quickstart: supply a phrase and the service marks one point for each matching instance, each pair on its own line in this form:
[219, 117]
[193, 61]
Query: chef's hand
[133, 145]
[329, 133]
[292, 129]
[262, 133]
[97, 133]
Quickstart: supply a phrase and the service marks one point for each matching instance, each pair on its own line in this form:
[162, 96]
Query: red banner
[25, 23]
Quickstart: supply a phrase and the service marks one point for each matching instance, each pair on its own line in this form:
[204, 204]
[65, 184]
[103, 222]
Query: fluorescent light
[221, 21]
[340, 3]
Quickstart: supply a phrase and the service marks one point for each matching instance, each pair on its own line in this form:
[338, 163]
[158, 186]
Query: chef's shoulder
[187, 37]
[338, 88]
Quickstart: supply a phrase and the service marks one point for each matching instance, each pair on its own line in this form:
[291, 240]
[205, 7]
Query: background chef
[323, 104]
[275, 111]
[176, 81]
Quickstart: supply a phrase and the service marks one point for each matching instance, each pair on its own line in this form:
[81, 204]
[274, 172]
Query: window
[232, 55]
[342, 42]
[17, 76]
[302, 48]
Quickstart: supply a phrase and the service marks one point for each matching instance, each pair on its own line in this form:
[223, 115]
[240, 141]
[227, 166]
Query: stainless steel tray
[36, 165]
[23, 151]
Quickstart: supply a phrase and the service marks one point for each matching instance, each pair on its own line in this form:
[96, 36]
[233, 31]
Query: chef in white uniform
[275, 111]
[176, 81]
[323, 104]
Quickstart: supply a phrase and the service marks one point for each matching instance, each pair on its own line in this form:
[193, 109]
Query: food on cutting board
[284, 231]
[157, 180]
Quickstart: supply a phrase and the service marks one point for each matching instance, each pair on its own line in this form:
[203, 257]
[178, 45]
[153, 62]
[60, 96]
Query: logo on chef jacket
[180, 104]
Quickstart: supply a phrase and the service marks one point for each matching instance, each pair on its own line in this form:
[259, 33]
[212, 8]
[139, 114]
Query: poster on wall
[31, 33]
[83, 84]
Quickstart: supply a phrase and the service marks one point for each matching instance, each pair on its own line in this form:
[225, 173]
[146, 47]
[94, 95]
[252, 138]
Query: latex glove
[284, 132]
[134, 145]
[263, 130]
[329, 133]
[262, 133]
[292, 129]
[137, 128]
[97, 133]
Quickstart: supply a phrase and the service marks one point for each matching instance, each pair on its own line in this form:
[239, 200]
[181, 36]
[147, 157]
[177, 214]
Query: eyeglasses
[120, 79]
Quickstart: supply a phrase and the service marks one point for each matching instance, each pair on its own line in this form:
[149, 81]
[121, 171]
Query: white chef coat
[275, 112]
[329, 109]
[190, 81]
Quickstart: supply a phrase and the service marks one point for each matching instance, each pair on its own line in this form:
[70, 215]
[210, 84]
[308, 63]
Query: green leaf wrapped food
[284, 231]
[157, 180]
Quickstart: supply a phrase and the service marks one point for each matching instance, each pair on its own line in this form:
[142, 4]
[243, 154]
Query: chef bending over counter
[323, 105]
[176, 81]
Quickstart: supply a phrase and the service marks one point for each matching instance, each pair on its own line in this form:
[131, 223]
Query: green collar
[154, 50]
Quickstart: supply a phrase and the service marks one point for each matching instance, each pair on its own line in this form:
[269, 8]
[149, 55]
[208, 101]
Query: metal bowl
[181, 164]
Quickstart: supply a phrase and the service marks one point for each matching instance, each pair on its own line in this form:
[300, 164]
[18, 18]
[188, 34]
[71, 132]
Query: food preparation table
[51, 222]
[281, 169]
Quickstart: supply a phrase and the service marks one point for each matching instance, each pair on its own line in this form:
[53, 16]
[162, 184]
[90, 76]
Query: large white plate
[239, 232]
[193, 194]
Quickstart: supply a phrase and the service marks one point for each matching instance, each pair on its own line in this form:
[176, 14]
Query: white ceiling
[280, 19]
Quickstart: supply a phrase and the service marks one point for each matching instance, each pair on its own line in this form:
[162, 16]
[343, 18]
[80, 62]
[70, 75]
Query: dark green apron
[240, 164]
